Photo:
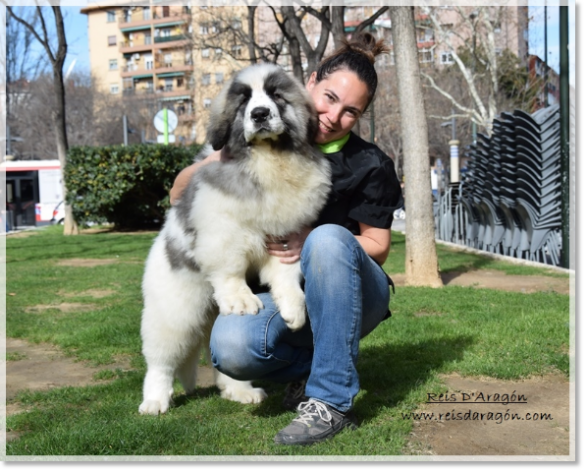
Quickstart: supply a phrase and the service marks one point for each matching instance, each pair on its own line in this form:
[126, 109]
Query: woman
[347, 292]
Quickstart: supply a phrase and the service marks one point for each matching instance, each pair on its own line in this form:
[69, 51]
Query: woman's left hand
[288, 248]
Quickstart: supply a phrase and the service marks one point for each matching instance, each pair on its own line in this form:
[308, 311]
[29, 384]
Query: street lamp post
[454, 151]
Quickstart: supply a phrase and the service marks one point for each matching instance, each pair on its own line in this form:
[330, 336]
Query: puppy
[214, 237]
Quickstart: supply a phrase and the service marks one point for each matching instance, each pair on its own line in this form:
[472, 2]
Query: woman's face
[340, 99]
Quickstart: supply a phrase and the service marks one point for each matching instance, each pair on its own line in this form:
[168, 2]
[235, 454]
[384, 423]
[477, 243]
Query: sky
[77, 38]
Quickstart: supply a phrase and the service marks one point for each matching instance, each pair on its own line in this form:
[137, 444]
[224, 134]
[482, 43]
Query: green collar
[334, 146]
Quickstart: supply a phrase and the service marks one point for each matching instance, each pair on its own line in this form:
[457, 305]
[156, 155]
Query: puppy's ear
[312, 121]
[222, 115]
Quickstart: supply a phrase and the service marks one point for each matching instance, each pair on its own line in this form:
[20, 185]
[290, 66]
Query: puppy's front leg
[233, 295]
[285, 283]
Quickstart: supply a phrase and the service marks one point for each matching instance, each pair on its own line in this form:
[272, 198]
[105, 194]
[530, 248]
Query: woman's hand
[183, 178]
[288, 248]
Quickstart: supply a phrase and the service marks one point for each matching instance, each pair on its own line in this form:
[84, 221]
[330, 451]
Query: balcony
[138, 20]
[164, 67]
[136, 71]
[136, 45]
[170, 42]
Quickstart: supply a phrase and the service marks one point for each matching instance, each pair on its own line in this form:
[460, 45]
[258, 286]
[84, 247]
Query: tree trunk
[337, 18]
[70, 226]
[421, 266]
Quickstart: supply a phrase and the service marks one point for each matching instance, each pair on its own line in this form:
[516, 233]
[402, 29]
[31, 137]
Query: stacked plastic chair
[538, 191]
[510, 199]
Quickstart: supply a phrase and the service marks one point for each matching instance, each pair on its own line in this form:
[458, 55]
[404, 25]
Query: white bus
[33, 191]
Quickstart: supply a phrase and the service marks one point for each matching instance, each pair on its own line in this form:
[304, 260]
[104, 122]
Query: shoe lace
[308, 414]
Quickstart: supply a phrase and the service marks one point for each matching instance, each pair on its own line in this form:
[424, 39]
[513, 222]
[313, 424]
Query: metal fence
[509, 202]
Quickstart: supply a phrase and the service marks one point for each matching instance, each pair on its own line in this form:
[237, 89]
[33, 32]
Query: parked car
[58, 214]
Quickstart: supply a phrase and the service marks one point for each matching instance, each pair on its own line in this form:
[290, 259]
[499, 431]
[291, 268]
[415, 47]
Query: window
[111, 16]
[446, 58]
[168, 59]
[424, 35]
[168, 85]
[112, 40]
[425, 55]
[219, 77]
[207, 102]
[166, 12]
[237, 51]
[146, 13]
[218, 52]
[205, 79]
[114, 88]
[148, 38]
[148, 62]
[215, 27]
[203, 28]
[113, 64]
[205, 53]
[236, 24]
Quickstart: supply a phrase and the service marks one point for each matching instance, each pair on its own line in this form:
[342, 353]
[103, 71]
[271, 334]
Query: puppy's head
[262, 103]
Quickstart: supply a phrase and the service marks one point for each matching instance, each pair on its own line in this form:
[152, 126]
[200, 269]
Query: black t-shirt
[365, 187]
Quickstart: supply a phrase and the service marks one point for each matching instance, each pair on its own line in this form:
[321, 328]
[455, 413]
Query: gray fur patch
[185, 203]
[178, 258]
[231, 178]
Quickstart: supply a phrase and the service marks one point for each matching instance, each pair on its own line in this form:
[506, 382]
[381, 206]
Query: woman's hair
[357, 55]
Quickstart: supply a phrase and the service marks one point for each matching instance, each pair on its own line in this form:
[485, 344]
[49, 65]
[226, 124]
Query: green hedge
[124, 185]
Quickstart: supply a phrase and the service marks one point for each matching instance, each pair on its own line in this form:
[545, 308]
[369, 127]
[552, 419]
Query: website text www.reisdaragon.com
[498, 417]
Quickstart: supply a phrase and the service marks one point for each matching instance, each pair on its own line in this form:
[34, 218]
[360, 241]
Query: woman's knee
[232, 349]
[325, 246]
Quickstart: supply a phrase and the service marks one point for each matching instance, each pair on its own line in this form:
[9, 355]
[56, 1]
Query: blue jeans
[347, 296]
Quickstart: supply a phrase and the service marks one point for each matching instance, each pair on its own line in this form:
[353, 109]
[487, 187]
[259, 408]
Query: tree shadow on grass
[387, 374]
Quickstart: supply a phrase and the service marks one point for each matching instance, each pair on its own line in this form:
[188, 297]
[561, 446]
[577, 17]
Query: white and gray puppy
[214, 237]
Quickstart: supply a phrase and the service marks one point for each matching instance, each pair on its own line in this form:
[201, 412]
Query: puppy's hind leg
[187, 371]
[238, 391]
[157, 390]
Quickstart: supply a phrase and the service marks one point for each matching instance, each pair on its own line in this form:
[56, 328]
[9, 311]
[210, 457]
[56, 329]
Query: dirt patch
[63, 307]
[498, 280]
[94, 293]
[86, 262]
[541, 427]
[21, 234]
[34, 367]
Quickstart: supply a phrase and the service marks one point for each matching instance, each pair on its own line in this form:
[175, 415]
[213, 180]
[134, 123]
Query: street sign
[167, 116]
[161, 138]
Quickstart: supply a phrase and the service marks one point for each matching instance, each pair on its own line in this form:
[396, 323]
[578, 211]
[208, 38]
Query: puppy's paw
[244, 395]
[292, 311]
[294, 319]
[153, 407]
[240, 304]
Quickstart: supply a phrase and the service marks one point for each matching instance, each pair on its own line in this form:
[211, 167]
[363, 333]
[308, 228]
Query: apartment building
[166, 56]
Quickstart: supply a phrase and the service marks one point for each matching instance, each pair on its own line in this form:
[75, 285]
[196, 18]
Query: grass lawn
[471, 331]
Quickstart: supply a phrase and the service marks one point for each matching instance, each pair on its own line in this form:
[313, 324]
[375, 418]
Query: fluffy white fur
[215, 237]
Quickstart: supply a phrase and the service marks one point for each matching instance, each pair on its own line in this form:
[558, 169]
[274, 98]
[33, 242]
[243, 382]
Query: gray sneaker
[294, 395]
[316, 422]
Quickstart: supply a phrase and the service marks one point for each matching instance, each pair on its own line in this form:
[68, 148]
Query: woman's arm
[183, 178]
[375, 241]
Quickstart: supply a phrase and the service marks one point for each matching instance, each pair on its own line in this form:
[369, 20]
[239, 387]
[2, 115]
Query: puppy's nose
[260, 114]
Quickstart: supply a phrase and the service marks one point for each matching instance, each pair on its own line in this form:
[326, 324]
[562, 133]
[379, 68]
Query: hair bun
[366, 44]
